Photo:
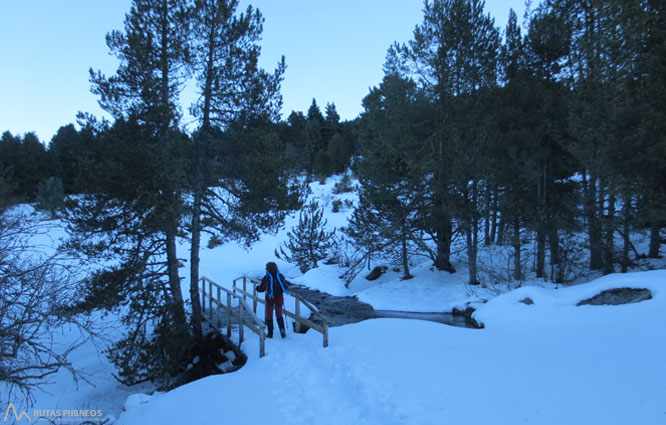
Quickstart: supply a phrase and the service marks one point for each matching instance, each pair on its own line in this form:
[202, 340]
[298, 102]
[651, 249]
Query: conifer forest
[546, 137]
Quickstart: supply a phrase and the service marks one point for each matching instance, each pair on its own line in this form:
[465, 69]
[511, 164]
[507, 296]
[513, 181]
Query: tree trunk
[557, 274]
[443, 236]
[626, 228]
[200, 187]
[501, 230]
[655, 239]
[517, 266]
[541, 254]
[493, 221]
[471, 256]
[486, 218]
[471, 231]
[405, 256]
[195, 297]
[174, 279]
[609, 229]
[593, 223]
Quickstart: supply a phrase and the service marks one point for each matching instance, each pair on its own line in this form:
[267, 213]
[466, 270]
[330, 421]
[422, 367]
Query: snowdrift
[550, 362]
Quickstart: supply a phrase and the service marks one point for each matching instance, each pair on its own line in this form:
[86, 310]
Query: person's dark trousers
[274, 304]
[280, 321]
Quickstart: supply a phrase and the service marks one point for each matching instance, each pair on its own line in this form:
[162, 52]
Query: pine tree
[25, 163]
[454, 57]
[141, 213]
[337, 153]
[331, 124]
[312, 143]
[236, 97]
[394, 198]
[309, 242]
[314, 113]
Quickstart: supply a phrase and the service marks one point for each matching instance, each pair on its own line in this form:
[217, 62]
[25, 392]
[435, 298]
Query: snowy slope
[547, 363]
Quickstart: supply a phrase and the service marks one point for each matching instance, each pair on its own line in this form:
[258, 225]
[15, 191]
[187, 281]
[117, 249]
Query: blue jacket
[274, 287]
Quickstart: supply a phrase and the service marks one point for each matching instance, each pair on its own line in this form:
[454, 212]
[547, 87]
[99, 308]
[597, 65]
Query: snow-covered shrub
[344, 185]
[51, 195]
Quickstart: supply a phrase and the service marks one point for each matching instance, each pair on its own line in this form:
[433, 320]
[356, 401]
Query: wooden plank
[305, 321]
[249, 294]
[325, 333]
[298, 313]
[255, 324]
[251, 313]
[310, 307]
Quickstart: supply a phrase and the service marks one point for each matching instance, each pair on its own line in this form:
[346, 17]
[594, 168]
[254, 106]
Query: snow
[547, 363]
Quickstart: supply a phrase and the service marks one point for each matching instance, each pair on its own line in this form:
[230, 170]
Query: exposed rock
[618, 296]
[527, 300]
[376, 272]
[467, 314]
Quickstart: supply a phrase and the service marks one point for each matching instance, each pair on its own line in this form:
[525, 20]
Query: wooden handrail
[323, 328]
[256, 325]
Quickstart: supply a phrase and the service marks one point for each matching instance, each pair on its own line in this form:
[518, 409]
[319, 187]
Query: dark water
[344, 310]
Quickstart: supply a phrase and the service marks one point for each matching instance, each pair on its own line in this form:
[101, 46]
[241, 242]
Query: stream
[344, 310]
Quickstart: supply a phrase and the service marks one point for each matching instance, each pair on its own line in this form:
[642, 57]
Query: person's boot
[269, 324]
[280, 321]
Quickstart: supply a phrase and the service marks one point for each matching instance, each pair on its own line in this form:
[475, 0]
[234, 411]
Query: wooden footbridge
[227, 307]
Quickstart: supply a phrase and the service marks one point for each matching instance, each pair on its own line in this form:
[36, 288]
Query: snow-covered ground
[547, 363]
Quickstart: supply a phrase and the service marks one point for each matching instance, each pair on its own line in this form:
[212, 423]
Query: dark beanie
[272, 268]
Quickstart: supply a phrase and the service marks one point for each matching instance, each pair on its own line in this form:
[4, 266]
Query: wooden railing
[300, 322]
[212, 296]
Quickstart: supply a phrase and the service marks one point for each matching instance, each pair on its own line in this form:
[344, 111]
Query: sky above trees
[334, 52]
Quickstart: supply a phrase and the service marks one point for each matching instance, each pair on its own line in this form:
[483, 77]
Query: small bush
[337, 205]
[51, 196]
[343, 186]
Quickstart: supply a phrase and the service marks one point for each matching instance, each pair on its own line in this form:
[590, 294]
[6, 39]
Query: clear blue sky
[334, 52]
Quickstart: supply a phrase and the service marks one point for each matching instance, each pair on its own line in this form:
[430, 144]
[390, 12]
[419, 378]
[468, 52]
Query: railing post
[203, 294]
[210, 297]
[297, 325]
[254, 298]
[229, 314]
[219, 307]
[244, 288]
[240, 324]
[262, 342]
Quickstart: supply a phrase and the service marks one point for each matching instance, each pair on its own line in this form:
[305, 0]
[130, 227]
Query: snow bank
[546, 363]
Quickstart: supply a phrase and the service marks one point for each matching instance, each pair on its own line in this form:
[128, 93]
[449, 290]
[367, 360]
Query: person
[275, 286]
